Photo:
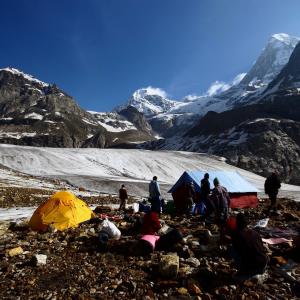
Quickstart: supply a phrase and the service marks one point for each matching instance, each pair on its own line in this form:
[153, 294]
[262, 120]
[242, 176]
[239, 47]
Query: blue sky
[100, 51]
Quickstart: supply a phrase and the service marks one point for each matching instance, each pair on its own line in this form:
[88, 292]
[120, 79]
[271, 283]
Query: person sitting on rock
[248, 250]
[272, 186]
[151, 223]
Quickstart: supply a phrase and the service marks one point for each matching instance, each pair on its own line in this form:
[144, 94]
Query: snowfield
[104, 170]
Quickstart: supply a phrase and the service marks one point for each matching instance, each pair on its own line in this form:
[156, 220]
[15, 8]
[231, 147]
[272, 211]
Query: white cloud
[190, 98]
[156, 91]
[238, 78]
[217, 87]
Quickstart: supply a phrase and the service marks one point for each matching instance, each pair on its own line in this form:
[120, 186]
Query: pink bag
[151, 239]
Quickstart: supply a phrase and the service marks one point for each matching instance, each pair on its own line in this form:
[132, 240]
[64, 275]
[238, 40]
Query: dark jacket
[123, 194]
[249, 247]
[272, 185]
[205, 189]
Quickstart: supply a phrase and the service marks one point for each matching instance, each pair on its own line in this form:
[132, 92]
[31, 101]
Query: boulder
[193, 261]
[169, 265]
[182, 291]
[39, 259]
[15, 251]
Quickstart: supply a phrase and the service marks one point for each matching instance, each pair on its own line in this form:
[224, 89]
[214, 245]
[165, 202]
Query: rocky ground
[73, 266]
[20, 197]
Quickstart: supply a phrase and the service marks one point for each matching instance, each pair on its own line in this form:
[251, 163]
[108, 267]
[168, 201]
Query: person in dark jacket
[205, 187]
[249, 252]
[272, 186]
[151, 223]
[220, 201]
[155, 195]
[123, 197]
[204, 194]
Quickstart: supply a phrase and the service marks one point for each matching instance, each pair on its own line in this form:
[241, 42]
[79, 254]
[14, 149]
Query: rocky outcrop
[38, 114]
[137, 118]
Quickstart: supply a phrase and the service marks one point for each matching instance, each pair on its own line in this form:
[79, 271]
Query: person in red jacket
[151, 223]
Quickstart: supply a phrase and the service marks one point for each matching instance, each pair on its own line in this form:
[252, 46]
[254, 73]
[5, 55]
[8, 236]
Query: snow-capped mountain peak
[141, 93]
[272, 59]
[24, 75]
[285, 38]
[149, 101]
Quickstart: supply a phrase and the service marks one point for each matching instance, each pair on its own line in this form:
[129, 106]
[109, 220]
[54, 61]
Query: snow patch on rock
[26, 76]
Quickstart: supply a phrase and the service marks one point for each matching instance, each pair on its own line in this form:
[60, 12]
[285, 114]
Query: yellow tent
[63, 210]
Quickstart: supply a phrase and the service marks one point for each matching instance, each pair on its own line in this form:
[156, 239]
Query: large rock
[193, 261]
[169, 265]
[136, 117]
[14, 251]
[39, 259]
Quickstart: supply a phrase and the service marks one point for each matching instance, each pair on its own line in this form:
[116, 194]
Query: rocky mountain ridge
[39, 114]
[261, 137]
[169, 117]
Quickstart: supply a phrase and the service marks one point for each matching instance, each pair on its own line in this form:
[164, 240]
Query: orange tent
[63, 210]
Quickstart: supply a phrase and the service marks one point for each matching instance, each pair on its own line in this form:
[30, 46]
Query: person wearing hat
[220, 201]
[123, 197]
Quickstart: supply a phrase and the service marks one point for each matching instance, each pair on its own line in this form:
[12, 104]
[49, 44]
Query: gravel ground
[77, 268]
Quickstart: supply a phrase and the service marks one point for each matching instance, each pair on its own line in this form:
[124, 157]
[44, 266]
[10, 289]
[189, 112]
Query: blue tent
[232, 181]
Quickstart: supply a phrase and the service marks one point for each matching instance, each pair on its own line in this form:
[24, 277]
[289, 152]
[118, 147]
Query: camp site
[65, 240]
[149, 150]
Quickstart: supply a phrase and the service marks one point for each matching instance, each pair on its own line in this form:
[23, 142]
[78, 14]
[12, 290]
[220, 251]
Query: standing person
[220, 201]
[204, 194]
[155, 195]
[189, 196]
[272, 185]
[123, 197]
